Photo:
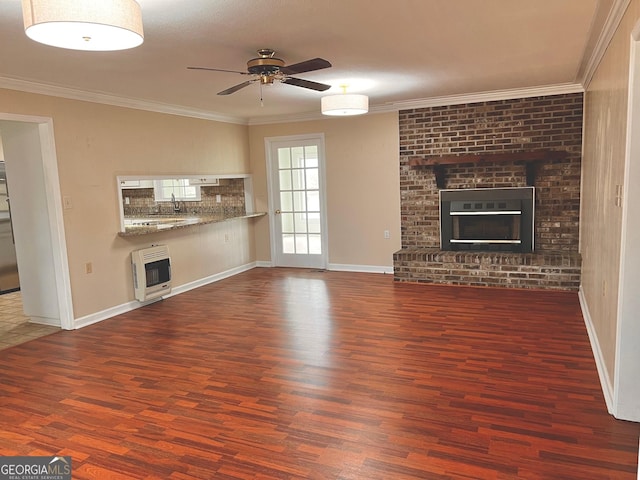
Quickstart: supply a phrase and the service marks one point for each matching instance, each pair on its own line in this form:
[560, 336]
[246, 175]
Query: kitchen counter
[154, 224]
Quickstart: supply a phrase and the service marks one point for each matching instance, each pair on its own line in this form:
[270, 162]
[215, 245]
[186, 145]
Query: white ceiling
[398, 52]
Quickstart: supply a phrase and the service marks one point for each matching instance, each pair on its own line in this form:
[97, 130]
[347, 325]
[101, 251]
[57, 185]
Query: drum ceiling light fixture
[94, 25]
[344, 104]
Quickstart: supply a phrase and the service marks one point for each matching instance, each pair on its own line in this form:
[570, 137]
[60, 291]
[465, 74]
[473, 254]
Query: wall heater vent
[151, 272]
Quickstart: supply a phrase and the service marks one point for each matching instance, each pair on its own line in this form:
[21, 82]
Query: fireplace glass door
[486, 228]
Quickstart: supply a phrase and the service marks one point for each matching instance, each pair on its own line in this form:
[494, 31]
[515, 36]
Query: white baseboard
[104, 314]
[605, 382]
[129, 306]
[342, 267]
[210, 279]
[54, 322]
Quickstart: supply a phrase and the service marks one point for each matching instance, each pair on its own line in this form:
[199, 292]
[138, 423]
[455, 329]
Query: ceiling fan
[268, 69]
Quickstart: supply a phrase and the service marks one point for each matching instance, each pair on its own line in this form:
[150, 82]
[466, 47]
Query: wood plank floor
[301, 374]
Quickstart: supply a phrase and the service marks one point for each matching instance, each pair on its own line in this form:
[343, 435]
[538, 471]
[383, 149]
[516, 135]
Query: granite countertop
[154, 224]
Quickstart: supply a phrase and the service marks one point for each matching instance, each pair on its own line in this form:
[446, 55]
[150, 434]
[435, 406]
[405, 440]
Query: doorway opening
[31, 166]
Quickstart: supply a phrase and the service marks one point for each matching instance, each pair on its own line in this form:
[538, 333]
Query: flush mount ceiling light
[95, 25]
[344, 104]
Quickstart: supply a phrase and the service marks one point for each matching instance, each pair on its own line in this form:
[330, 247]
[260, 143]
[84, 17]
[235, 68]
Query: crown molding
[73, 94]
[606, 35]
[559, 89]
[94, 97]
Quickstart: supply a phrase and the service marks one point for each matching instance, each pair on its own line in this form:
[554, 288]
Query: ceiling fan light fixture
[344, 104]
[99, 25]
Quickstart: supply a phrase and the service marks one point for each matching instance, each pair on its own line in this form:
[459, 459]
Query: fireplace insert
[490, 219]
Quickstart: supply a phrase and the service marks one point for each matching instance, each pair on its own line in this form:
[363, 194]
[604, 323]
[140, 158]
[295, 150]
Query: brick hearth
[491, 269]
[500, 127]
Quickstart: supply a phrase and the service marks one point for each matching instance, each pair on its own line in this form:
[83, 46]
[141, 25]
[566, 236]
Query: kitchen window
[175, 189]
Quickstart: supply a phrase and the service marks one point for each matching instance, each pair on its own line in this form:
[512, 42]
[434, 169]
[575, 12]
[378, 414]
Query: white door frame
[49, 168]
[268, 144]
[626, 389]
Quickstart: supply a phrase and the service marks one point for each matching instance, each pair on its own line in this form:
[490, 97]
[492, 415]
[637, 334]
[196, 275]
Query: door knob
[278, 212]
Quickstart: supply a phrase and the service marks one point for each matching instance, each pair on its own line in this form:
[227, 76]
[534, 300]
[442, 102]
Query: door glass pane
[284, 158]
[315, 244]
[300, 222]
[288, 244]
[299, 201]
[312, 178]
[313, 222]
[313, 201]
[287, 223]
[285, 179]
[301, 244]
[286, 201]
[297, 157]
[311, 156]
[298, 179]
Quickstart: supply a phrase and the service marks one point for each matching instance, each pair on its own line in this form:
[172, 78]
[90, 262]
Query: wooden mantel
[531, 159]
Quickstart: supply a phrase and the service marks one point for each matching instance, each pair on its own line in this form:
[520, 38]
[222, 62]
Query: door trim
[49, 167]
[268, 143]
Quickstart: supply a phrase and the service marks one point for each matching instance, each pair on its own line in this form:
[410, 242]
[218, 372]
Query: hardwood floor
[300, 374]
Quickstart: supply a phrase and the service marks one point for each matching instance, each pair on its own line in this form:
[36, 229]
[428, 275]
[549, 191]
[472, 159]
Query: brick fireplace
[484, 137]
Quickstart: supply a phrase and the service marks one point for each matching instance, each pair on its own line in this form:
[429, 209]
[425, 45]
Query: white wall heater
[151, 272]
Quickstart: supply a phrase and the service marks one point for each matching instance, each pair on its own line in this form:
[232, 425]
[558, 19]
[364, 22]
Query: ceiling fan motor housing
[264, 66]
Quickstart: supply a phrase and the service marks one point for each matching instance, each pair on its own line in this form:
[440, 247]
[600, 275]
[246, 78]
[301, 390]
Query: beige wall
[602, 170]
[4, 205]
[94, 144]
[363, 199]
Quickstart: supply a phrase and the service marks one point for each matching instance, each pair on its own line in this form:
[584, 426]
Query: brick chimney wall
[518, 125]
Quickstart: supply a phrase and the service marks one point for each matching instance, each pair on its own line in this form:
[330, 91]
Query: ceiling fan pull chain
[261, 102]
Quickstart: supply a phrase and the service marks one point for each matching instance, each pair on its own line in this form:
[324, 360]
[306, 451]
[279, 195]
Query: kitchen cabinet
[136, 184]
[204, 181]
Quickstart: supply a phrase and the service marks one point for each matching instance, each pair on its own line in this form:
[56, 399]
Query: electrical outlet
[387, 234]
[226, 238]
[218, 198]
[88, 267]
[127, 201]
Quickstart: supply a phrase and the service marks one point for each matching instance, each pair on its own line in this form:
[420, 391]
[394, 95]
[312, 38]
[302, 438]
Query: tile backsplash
[232, 201]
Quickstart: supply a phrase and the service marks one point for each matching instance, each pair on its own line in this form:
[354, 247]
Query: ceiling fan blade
[217, 70]
[299, 82]
[306, 66]
[235, 88]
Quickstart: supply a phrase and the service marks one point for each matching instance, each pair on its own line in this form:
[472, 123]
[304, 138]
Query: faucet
[176, 204]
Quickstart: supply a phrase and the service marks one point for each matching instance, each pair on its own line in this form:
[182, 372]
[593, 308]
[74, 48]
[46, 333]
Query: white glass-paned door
[297, 197]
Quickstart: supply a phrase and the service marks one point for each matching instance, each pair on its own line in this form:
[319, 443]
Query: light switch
[66, 202]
